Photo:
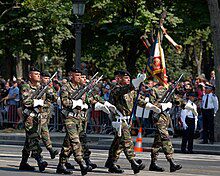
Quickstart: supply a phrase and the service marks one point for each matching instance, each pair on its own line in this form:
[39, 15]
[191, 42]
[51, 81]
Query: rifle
[167, 96]
[40, 93]
[88, 88]
[82, 87]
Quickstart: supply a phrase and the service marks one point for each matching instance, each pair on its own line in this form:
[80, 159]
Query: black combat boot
[84, 168]
[108, 163]
[89, 163]
[136, 167]
[112, 167]
[155, 167]
[69, 166]
[115, 169]
[24, 165]
[53, 153]
[41, 164]
[174, 166]
[139, 161]
[61, 169]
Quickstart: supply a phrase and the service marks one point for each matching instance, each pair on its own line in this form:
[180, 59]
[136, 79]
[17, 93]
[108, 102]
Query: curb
[103, 142]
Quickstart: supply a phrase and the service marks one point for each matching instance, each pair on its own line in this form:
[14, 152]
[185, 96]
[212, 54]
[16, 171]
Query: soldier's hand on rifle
[150, 106]
[166, 106]
[84, 106]
[101, 107]
[136, 82]
[38, 102]
[110, 106]
[77, 103]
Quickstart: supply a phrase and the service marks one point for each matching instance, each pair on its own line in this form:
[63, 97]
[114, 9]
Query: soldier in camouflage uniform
[123, 96]
[49, 97]
[82, 134]
[162, 138]
[31, 119]
[72, 122]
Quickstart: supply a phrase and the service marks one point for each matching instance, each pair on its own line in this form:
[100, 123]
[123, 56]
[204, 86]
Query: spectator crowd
[100, 122]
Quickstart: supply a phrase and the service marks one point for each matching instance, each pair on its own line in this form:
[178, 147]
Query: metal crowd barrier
[98, 121]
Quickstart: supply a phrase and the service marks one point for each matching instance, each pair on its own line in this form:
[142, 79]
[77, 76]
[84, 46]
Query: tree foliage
[32, 29]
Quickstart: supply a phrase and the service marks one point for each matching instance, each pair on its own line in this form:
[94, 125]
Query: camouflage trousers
[122, 143]
[71, 143]
[162, 139]
[45, 135]
[83, 140]
[31, 125]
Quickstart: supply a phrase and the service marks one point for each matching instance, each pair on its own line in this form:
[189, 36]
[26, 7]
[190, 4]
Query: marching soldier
[50, 96]
[209, 109]
[123, 96]
[189, 118]
[72, 122]
[162, 138]
[31, 119]
[82, 134]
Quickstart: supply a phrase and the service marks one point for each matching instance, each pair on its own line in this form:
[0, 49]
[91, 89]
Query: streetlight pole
[78, 31]
[78, 10]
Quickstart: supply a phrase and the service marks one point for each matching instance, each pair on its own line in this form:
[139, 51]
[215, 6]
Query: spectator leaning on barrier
[13, 102]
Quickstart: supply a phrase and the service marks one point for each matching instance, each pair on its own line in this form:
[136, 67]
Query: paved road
[193, 164]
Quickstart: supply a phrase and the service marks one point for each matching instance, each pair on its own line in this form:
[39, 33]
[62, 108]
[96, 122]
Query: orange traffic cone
[138, 144]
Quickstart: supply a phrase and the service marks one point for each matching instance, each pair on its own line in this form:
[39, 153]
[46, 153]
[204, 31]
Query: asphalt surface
[193, 164]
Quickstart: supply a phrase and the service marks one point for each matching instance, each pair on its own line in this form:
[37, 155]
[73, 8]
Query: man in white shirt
[209, 109]
[189, 120]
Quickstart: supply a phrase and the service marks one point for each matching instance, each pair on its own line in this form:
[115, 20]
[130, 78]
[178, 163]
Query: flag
[156, 62]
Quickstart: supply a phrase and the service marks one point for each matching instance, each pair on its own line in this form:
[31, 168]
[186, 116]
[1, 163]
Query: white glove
[110, 106]
[152, 107]
[77, 103]
[117, 125]
[39, 102]
[84, 106]
[101, 107]
[166, 106]
[136, 82]
[185, 126]
[147, 99]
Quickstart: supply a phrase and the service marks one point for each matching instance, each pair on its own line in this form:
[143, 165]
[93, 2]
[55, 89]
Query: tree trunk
[198, 59]
[215, 18]
[19, 69]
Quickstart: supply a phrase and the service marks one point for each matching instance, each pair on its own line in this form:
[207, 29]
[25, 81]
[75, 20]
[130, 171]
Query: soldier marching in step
[32, 114]
[162, 138]
[49, 97]
[72, 122]
[122, 97]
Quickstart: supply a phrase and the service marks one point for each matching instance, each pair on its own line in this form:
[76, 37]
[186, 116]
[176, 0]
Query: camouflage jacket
[50, 97]
[28, 92]
[123, 98]
[67, 90]
[157, 94]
